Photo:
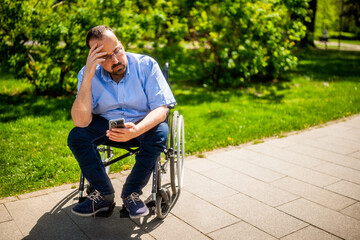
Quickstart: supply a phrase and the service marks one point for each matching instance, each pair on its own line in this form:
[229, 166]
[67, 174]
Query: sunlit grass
[34, 129]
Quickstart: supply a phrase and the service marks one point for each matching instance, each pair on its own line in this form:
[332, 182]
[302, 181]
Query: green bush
[235, 42]
[244, 40]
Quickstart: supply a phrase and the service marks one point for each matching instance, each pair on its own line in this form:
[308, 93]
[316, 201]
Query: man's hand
[123, 134]
[131, 130]
[94, 57]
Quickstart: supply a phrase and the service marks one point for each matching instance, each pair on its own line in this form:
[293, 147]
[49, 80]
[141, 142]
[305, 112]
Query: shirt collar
[105, 75]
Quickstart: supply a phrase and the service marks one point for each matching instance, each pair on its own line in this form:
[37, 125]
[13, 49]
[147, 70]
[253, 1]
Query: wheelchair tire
[163, 203]
[177, 160]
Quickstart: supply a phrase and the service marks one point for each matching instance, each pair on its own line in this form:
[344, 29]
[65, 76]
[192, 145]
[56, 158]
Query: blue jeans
[83, 143]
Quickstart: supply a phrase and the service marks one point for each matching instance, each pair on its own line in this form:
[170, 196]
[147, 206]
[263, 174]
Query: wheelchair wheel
[163, 203]
[177, 143]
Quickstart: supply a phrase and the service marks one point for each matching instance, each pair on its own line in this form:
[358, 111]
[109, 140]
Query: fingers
[129, 125]
[117, 136]
[95, 55]
[122, 134]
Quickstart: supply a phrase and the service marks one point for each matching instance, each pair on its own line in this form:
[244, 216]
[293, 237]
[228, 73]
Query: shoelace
[134, 197]
[94, 197]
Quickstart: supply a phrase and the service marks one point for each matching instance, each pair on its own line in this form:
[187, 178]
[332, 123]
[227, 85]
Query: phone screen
[117, 123]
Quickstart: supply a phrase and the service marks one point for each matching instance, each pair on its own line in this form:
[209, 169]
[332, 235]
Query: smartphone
[117, 123]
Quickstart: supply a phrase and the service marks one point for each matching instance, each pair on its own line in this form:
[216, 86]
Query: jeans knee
[74, 136]
[154, 142]
[160, 134]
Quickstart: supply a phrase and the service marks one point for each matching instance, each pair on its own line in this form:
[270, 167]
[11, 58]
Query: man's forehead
[109, 40]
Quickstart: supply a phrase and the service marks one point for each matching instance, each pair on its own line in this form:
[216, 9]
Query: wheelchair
[165, 189]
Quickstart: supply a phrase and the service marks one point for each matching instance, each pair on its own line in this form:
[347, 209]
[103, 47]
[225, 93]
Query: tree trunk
[310, 26]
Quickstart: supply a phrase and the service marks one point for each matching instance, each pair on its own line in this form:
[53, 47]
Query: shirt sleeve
[80, 78]
[156, 87]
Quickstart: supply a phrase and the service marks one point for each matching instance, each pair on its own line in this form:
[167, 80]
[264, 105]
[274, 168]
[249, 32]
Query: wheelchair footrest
[108, 213]
[151, 205]
[81, 199]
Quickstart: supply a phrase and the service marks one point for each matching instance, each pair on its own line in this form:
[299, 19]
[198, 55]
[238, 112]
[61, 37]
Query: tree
[241, 41]
[235, 41]
[310, 25]
[352, 8]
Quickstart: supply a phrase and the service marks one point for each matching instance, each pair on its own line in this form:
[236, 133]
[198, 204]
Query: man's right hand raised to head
[81, 111]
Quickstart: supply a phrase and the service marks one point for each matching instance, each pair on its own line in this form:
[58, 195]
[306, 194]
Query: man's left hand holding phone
[119, 131]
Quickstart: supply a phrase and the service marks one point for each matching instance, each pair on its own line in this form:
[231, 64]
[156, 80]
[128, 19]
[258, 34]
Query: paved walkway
[304, 186]
[343, 46]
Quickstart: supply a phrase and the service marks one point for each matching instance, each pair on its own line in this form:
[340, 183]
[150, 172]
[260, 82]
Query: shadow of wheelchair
[61, 223]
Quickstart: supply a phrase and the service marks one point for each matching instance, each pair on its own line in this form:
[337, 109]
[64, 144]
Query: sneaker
[95, 204]
[135, 206]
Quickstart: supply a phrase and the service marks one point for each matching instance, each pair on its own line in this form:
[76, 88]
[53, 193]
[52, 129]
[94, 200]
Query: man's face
[116, 61]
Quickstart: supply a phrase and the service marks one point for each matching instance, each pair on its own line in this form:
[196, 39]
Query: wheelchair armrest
[171, 106]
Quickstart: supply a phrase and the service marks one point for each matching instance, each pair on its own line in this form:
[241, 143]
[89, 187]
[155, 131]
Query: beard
[118, 68]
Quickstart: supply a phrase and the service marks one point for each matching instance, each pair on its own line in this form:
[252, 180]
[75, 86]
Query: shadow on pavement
[61, 223]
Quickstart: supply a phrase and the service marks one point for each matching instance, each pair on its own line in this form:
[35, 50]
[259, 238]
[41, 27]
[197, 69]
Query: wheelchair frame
[162, 199]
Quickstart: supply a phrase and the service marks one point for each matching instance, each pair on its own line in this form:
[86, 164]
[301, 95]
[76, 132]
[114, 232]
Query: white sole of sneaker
[139, 216]
[90, 214]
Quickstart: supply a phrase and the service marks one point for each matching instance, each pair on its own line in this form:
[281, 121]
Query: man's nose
[114, 59]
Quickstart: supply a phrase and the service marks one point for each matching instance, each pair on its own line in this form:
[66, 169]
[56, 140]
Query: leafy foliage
[234, 42]
[241, 40]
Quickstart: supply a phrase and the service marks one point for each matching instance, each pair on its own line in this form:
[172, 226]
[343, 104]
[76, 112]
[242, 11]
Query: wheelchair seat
[129, 144]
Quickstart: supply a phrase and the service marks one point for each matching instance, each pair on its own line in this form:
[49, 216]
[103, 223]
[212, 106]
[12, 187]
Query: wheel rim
[173, 166]
[180, 151]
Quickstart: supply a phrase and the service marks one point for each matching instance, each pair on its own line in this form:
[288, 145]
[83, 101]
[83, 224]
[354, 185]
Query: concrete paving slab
[240, 231]
[226, 160]
[353, 121]
[310, 233]
[331, 147]
[313, 133]
[8, 199]
[4, 214]
[201, 165]
[259, 190]
[10, 231]
[38, 219]
[260, 215]
[341, 172]
[315, 194]
[202, 215]
[112, 227]
[331, 221]
[335, 129]
[205, 188]
[346, 188]
[347, 132]
[340, 159]
[280, 142]
[355, 155]
[286, 155]
[353, 211]
[171, 228]
[340, 142]
[295, 171]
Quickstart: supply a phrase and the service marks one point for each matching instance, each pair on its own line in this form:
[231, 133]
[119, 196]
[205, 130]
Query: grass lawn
[354, 42]
[33, 129]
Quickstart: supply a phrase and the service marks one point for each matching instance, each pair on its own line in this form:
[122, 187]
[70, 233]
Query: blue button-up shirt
[142, 89]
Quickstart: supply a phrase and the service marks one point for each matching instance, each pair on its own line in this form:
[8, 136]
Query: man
[117, 84]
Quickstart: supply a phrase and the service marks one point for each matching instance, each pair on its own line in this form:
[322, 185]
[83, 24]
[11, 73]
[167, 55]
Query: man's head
[116, 61]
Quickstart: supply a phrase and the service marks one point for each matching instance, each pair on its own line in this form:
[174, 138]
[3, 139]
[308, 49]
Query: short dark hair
[96, 33]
